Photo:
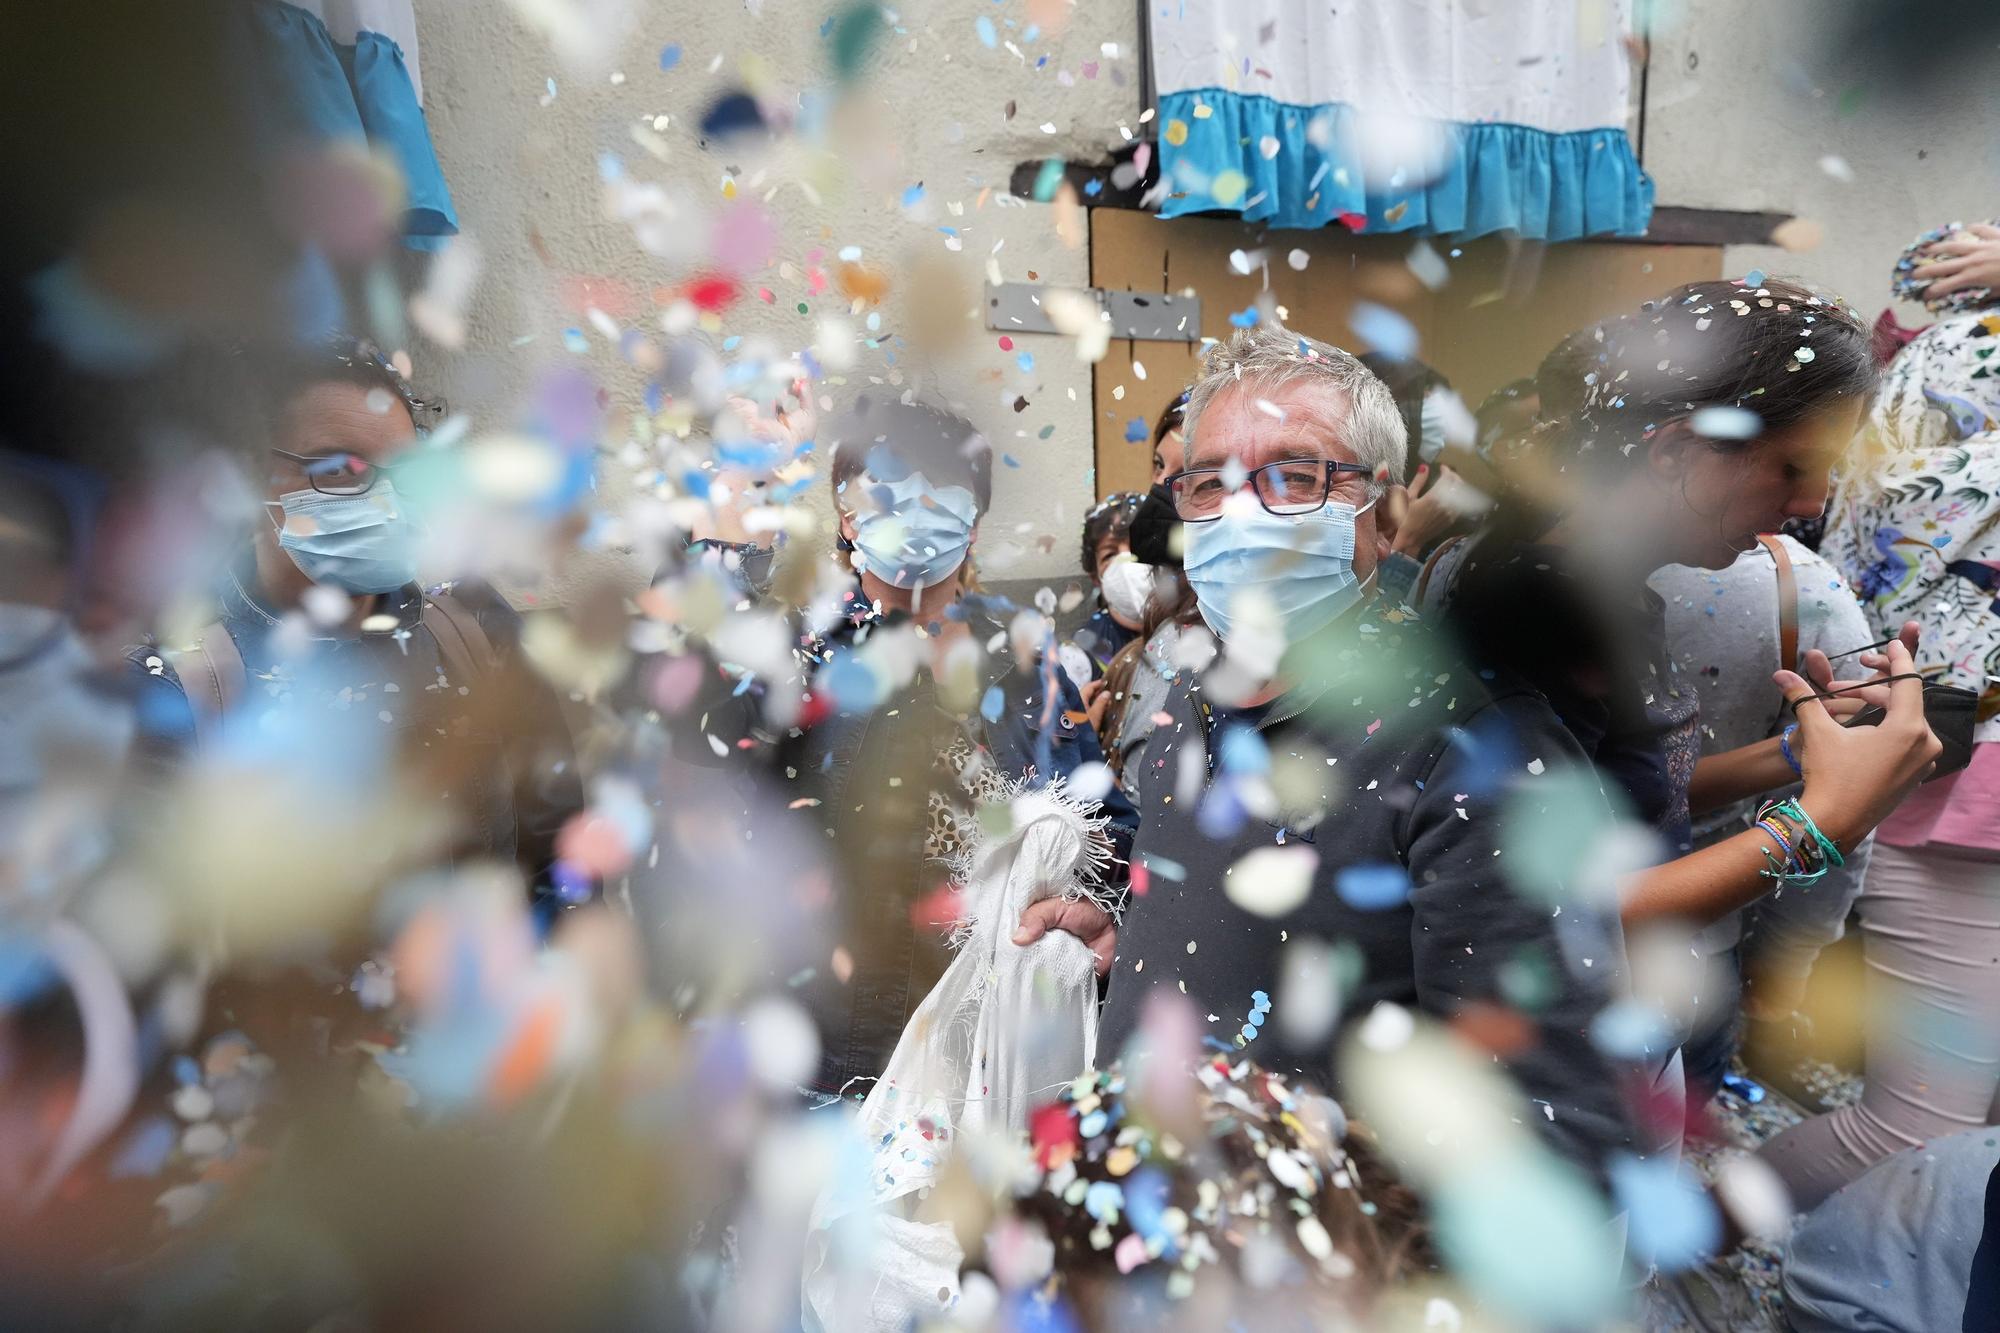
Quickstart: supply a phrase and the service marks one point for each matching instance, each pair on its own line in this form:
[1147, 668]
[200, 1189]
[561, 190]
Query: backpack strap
[212, 677]
[1788, 603]
[1424, 578]
[468, 651]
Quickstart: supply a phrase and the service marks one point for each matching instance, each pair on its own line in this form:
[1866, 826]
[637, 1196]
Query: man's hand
[1080, 917]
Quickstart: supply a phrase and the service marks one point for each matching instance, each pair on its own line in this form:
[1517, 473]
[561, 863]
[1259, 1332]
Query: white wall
[932, 108]
[1747, 126]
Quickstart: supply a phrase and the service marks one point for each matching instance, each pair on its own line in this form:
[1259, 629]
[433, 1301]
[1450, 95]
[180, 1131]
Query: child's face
[1107, 550]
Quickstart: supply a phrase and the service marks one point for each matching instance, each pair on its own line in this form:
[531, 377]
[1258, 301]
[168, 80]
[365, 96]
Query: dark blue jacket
[864, 775]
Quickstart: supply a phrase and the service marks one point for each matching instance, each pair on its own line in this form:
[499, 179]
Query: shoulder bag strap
[212, 677]
[468, 652]
[1424, 578]
[1788, 603]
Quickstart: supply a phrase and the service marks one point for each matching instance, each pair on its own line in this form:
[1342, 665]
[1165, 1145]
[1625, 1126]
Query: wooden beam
[1113, 184]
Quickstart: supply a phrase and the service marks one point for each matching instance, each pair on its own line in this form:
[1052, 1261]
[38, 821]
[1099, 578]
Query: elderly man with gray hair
[1343, 811]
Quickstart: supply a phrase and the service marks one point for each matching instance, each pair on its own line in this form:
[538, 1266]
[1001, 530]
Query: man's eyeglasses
[342, 473]
[1292, 486]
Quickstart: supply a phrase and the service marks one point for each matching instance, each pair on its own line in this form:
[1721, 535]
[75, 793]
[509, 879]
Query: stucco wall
[1746, 99]
[931, 108]
[1744, 103]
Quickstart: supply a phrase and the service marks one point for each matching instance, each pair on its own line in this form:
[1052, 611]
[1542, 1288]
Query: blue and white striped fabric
[1441, 117]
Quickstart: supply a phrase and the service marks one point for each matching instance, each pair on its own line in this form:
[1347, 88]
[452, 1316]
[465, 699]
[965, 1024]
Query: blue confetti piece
[1754, 278]
[574, 341]
[984, 27]
[1246, 318]
[145, 1149]
[1373, 887]
[1384, 330]
[670, 54]
[1136, 431]
[1103, 1200]
[1242, 752]
[991, 703]
[1010, 460]
[1673, 1223]
[913, 195]
[1025, 361]
[1093, 187]
[852, 685]
[1221, 814]
[1629, 1030]
[1093, 1124]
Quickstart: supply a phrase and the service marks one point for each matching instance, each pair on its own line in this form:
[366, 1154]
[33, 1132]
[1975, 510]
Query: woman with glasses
[322, 624]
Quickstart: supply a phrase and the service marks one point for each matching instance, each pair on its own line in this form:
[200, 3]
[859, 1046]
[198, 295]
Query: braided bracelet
[1785, 748]
[1812, 849]
[1792, 868]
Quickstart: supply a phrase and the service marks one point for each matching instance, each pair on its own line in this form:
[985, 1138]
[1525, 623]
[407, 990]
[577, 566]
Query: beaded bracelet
[1812, 852]
[1785, 748]
[1791, 809]
[1791, 868]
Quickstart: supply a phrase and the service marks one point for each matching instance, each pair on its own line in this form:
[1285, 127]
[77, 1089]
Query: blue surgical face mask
[361, 544]
[1304, 563]
[909, 533]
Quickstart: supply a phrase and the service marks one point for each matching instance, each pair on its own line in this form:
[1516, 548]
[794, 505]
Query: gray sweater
[1425, 763]
[1722, 631]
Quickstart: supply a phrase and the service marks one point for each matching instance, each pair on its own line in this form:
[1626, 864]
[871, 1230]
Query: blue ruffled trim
[318, 89]
[1538, 184]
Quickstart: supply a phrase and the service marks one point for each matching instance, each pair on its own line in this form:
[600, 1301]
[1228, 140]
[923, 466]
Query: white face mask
[1128, 587]
[1431, 437]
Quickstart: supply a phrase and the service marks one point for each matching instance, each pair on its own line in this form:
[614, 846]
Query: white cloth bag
[1004, 1029]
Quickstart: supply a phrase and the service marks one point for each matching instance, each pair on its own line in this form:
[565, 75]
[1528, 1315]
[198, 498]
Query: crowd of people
[1346, 904]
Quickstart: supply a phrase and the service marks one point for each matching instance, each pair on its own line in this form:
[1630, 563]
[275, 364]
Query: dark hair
[1777, 350]
[1409, 381]
[1559, 380]
[1109, 517]
[1171, 417]
[344, 359]
[1502, 398]
[916, 437]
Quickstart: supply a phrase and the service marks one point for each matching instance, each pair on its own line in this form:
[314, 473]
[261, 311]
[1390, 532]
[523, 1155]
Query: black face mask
[1951, 711]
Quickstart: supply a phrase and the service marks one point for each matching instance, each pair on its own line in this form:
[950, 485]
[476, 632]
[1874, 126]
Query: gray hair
[1269, 355]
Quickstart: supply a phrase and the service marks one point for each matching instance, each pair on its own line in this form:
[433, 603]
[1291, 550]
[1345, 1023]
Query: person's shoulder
[1804, 559]
[484, 602]
[160, 705]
